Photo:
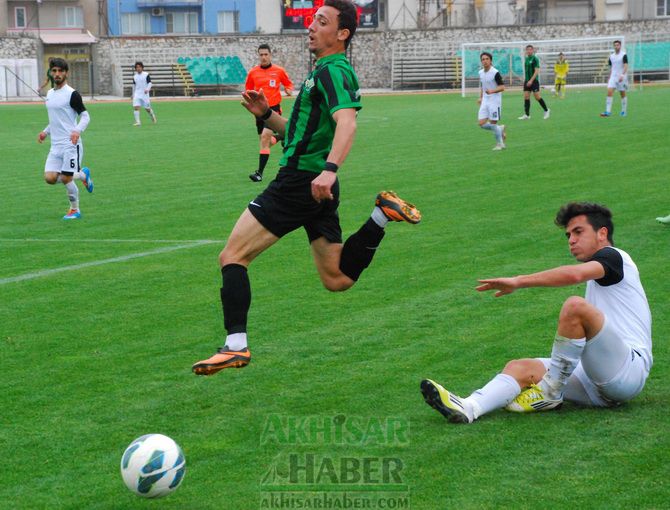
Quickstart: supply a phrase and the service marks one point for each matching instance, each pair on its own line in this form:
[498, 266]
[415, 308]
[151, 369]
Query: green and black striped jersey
[331, 86]
[530, 64]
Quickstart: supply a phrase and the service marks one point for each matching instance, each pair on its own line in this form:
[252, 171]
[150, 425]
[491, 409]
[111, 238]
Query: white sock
[608, 105]
[151, 113]
[79, 176]
[236, 341]
[497, 393]
[379, 217]
[624, 104]
[73, 195]
[565, 355]
[498, 132]
[136, 114]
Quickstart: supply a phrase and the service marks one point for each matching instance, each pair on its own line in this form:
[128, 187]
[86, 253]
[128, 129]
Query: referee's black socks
[360, 248]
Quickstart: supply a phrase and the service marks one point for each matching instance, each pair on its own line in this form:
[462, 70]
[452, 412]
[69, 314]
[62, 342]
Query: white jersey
[617, 61]
[489, 80]
[63, 106]
[141, 82]
[620, 296]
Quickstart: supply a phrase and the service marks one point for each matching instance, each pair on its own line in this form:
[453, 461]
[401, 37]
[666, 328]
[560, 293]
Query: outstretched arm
[561, 276]
[257, 104]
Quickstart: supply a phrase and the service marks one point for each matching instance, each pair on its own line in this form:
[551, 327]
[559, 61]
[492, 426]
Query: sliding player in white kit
[601, 355]
[618, 61]
[63, 163]
[141, 87]
[490, 100]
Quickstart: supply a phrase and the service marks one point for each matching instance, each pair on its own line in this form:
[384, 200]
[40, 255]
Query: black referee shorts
[260, 125]
[287, 204]
[534, 87]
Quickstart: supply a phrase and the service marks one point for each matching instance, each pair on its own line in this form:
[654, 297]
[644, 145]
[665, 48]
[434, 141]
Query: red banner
[298, 14]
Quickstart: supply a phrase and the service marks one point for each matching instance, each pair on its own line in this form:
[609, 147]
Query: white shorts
[614, 83]
[610, 371]
[142, 101]
[64, 159]
[489, 110]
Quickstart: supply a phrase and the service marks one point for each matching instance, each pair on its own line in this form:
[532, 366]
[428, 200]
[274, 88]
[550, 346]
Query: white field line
[147, 241]
[123, 258]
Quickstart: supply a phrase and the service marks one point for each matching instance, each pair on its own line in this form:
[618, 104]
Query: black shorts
[535, 87]
[287, 204]
[260, 125]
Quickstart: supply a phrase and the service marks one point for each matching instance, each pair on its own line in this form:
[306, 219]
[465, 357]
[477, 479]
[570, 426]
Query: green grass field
[99, 354]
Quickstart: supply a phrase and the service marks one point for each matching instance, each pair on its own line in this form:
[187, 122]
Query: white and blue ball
[153, 466]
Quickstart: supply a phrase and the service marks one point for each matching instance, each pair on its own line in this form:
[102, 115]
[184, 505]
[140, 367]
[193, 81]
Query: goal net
[587, 58]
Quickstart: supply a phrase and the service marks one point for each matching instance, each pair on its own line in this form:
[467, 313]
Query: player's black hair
[597, 215]
[617, 41]
[264, 47]
[138, 63]
[348, 17]
[487, 54]
[561, 53]
[530, 46]
[60, 63]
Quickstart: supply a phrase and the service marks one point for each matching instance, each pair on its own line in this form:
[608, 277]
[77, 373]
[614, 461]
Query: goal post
[587, 58]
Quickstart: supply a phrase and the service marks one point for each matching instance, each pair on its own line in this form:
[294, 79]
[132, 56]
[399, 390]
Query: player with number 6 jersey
[490, 100]
[64, 104]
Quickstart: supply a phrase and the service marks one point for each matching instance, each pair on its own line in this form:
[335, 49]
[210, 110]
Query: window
[135, 23]
[181, 22]
[71, 17]
[662, 7]
[19, 17]
[229, 22]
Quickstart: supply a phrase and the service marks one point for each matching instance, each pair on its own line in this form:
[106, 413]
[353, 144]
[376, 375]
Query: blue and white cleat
[72, 214]
[605, 114]
[623, 114]
[88, 182]
[452, 407]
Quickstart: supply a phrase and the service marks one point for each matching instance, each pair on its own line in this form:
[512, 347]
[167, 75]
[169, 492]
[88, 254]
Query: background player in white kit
[141, 88]
[601, 355]
[618, 62]
[490, 100]
[63, 163]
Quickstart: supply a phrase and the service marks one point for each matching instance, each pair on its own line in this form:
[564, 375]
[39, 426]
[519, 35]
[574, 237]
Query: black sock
[262, 161]
[526, 106]
[543, 104]
[235, 298]
[359, 249]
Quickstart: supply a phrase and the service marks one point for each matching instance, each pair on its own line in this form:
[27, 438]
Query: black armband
[331, 167]
[266, 115]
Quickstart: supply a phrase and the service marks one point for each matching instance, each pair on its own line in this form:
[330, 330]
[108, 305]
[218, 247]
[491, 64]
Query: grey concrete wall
[19, 47]
[372, 51]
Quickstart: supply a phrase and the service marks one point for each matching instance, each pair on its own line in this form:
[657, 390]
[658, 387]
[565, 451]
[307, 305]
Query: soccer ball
[153, 466]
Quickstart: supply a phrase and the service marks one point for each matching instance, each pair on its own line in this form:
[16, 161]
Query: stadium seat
[213, 70]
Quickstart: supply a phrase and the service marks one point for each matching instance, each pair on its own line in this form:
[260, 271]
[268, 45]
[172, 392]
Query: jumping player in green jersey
[305, 193]
[531, 83]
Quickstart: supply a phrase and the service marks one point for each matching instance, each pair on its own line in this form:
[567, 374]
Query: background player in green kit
[531, 66]
[305, 193]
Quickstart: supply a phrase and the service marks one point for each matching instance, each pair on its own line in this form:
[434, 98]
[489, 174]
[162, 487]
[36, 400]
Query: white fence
[18, 79]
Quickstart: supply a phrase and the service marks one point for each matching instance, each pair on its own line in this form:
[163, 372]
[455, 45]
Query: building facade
[180, 17]
[427, 14]
[63, 28]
